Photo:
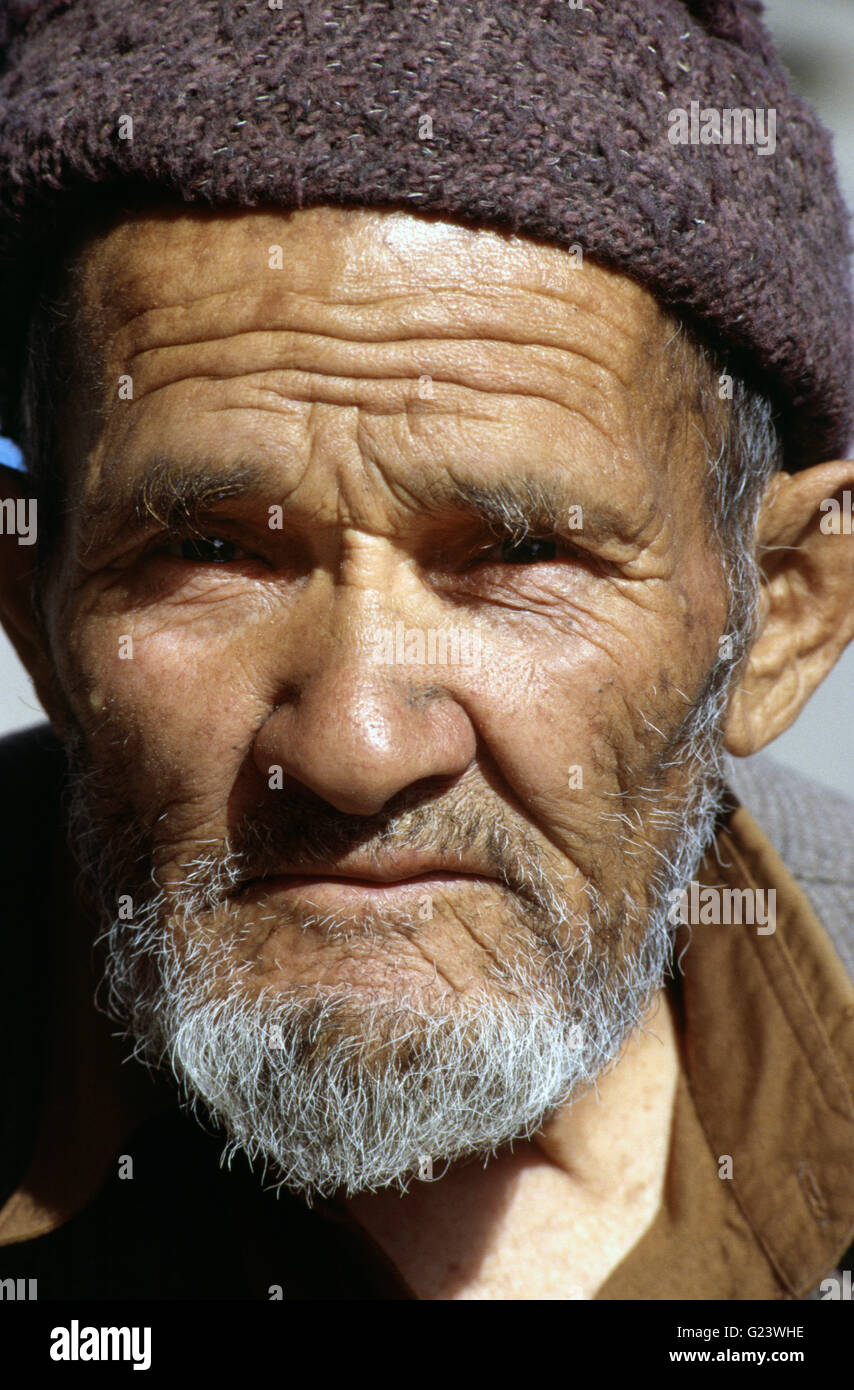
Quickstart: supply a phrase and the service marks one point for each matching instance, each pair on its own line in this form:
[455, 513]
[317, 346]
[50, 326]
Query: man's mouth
[358, 876]
[337, 889]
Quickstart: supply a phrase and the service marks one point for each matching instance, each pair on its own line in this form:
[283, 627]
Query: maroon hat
[660, 136]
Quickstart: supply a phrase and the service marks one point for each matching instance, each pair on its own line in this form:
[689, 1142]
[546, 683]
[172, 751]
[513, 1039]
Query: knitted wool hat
[554, 118]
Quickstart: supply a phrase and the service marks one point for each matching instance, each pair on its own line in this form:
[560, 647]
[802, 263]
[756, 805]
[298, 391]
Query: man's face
[385, 595]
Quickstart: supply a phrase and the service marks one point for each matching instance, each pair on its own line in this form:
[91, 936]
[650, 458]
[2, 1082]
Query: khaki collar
[767, 1039]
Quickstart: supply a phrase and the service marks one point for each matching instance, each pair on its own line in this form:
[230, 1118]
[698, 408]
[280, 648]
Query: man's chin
[374, 1066]
[331, 1091]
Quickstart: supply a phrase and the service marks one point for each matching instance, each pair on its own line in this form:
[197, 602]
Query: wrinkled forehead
[362, 257]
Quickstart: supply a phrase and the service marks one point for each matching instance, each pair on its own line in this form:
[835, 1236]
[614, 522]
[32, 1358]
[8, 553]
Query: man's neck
[553, 1218]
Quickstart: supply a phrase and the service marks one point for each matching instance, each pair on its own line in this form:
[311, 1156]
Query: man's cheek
[185, 699]
[551, 723]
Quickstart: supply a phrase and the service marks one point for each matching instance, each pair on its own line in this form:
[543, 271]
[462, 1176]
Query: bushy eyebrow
[559, 503]
[169, 496]
[521, 504]
[174, 496]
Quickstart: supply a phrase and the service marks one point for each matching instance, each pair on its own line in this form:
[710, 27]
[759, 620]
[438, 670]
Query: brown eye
[205, 550]
[530, 551]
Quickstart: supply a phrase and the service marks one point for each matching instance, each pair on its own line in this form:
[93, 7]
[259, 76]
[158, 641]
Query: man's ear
[18, 547]
[805, 547]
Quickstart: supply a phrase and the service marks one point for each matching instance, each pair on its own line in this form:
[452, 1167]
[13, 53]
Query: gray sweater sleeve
[812, 830]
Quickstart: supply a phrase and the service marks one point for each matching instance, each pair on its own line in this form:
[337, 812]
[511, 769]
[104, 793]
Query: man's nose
[357, 732]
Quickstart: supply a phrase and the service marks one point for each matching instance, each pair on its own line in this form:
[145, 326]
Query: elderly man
[435, 459]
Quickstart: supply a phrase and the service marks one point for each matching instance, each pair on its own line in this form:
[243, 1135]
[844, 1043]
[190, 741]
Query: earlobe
[807, 607]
